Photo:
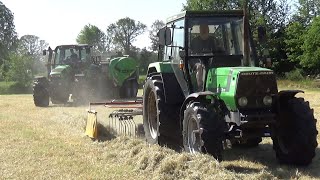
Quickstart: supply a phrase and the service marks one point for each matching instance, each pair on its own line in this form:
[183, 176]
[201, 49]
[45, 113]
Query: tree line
[293, 37]
[21, 58]
[119, 37]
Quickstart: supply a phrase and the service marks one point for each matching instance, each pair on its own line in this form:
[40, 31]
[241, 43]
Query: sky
[60, 21]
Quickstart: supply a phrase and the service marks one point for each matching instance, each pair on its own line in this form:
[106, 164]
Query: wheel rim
[194, 136]
[152, 116]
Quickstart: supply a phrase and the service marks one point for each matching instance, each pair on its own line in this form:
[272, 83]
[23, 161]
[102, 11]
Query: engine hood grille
[255, 86]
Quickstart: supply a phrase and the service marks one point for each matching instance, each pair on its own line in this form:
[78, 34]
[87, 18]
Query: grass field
[49, 143]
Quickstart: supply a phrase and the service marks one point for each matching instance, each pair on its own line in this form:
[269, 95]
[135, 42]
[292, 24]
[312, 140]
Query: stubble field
[49, 143]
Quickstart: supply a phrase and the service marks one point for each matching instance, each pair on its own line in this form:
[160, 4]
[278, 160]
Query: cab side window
[178, 38]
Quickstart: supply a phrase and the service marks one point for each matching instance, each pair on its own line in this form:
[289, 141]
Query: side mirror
[165, 36]
[262, 34]
[44, 52]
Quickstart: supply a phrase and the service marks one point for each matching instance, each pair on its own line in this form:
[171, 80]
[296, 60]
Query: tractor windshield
[213, 41]
[65, 55]
[215, 35]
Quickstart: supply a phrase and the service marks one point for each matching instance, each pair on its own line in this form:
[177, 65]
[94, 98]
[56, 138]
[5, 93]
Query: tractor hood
[226, 71]
[225, 78]
[234, 82]
[122, 68]
[60, 70]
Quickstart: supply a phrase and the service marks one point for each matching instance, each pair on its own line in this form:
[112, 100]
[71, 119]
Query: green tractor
[207, 92]
[73, 70]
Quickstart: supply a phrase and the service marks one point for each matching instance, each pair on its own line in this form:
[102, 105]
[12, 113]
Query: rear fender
[41, 80]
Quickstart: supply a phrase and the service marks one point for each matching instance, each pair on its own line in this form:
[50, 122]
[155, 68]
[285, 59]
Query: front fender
[283, 97]
[288, 93]
[201, 96]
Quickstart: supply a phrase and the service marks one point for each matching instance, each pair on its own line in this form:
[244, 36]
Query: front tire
[41, 93]
[295, 134]
[203, 130]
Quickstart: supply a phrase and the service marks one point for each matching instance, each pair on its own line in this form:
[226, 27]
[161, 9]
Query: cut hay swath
[120, 121]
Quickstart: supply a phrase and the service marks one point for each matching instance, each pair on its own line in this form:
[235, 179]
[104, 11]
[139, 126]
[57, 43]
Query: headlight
[267, 100]
[243, 101]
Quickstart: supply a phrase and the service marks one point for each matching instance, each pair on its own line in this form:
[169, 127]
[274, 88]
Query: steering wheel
[66, 60]
[70, 61]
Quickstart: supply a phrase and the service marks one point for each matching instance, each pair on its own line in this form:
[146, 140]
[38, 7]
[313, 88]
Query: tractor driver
[73, 55]
[203, 43]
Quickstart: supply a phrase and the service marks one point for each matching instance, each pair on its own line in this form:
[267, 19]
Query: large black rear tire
[160, 120]
[295, 134]
[203, 130]
[40, 92]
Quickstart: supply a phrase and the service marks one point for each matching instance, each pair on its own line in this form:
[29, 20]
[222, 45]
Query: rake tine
[126, 126]
[112, 123]
[109, 122]
[120, 125]
[123, 126]
[132, 126]
[129, 126]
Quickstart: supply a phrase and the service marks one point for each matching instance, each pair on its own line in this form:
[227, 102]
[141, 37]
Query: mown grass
[49, 143]
[309, 84]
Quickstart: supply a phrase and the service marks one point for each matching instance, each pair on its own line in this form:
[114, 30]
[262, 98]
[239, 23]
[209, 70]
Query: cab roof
[72, 46]
[216, 13]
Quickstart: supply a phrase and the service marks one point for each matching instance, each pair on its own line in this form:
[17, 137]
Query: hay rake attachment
[120, 122]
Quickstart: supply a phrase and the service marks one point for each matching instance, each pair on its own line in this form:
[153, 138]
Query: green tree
[20, 69]
[294, 41]
[146, 57]
[153, 34]
[124, 32]
[8, 35]
[134, 52]
[212, 4]
[32, 46]
[311, 47]
[307, 10]
[92, 35]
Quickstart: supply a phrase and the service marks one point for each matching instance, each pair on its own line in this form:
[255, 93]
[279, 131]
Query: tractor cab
[75, 57]
[197, 41]
[71, 54]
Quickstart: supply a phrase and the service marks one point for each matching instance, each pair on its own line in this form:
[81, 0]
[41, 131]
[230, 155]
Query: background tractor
[201, 98]
[72, 69]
